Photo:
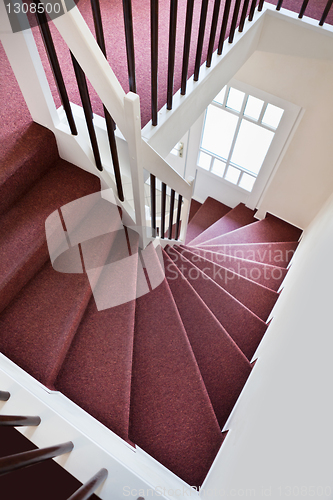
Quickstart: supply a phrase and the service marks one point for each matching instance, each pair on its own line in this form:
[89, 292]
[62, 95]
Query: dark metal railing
[21, 460]
[90, 486]
[170, 229]
[18, 421]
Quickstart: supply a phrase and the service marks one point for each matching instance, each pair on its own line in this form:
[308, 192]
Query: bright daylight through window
[238, 131]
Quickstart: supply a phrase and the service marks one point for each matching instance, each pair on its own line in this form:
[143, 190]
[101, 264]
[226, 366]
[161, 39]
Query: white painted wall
[304, 180]
[281, 433]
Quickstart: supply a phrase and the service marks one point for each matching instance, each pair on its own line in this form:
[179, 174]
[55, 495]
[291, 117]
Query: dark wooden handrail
[21, 460]
[202, 26]
[110, 125]
[325, 13]
[90, 486]
[163, 203]
[172, 50]
[18, 420]
[4, 395]
[83, 90]
[55, 66]
[128, 22]
[213, 32]
[187, 44]
[153, 204]
[179, 209]
[154, 57]
[172, 206]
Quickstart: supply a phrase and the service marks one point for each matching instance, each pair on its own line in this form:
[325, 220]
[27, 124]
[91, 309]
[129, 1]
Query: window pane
[251, 146]
[272, 116]
[235, 99]
[247, 182]
[219, 131]
[218, 167]
[253, 107]
[232, 174]
[220, 96]
[204, 160]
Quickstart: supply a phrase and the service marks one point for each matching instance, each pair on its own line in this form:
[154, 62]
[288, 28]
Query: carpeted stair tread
[223, 366]
[22, 228]
[172, 421]
[237, 217]
[244, 327]
[263, 274]
[36, 329]
[99, 361]
[194, 207]
[277, 254]
[210, 211]
[31, 155]
[259, 299]
[268, 230]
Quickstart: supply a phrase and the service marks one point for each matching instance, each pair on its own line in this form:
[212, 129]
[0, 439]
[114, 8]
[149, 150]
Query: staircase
[163, 371]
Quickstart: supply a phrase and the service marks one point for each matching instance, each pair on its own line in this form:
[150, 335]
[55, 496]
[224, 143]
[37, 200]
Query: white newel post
[24, 58]
[134, 140]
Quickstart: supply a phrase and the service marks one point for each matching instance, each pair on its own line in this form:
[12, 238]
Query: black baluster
[154, 57]
[252, 9]
[325, 13]
[203, 18]
[82, 85]
[172, 206]
[234, 21]
[128, 21]
[243, 16]
[172, 49]
[110, 125]
[179, 209]
[153, 204]
[187, 43]
[213, 32]
[224, 26]
[163, 203]
[279, 4]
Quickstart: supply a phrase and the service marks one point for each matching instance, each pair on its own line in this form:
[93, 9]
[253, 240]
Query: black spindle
[304, 6]
[90, 486]
[128, 21]
[20, 460]
[154, 57]
[172, 206]
[18, 421]
[81, 82]
[110, 125]
[153, 204]
[203, 18]
[179, 209]
[224, 26]
[234, 21]
[243, 15]
[279, 4]
[172, 49]
[163, 203]
[187, 42]
[213, 32]
[4, 395]
[252, 9]
[260, 5]
[325, 13]
[55, 66]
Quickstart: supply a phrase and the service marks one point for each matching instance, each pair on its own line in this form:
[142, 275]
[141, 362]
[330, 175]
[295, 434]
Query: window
[237, 133]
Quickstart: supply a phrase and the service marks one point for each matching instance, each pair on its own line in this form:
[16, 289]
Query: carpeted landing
[162, 371]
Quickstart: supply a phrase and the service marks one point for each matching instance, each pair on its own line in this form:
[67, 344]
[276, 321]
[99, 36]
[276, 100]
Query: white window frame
[275, 152]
